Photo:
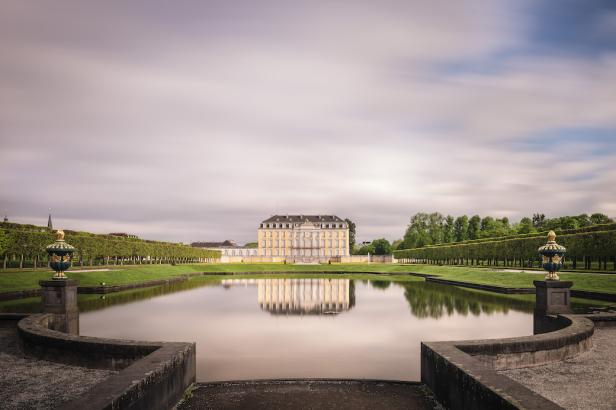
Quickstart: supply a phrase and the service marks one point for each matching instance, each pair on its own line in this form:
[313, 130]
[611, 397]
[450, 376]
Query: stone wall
[463, 375]
[152, 375]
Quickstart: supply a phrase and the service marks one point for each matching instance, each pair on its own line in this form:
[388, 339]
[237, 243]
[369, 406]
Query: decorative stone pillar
[552, 296]
[60, 299]
[60, 293]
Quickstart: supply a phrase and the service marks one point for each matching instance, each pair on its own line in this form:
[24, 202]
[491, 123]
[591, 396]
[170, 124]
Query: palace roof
[303, 218]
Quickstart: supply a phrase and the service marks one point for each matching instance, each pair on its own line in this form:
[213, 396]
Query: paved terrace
[27, 383]
[587, 381]
[314, 394]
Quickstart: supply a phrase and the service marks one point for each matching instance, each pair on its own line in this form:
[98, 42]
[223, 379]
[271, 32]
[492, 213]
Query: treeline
[376, 247]
[433, 229]
[24, 245]
[588, 248]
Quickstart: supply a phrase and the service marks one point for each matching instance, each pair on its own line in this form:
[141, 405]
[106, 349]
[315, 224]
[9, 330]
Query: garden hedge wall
[587, 246]
[28, 242]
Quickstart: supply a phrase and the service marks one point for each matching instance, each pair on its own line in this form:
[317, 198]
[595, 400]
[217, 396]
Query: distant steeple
[49, 224]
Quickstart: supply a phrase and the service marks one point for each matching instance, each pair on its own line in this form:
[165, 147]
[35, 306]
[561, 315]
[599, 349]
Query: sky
[195, 120]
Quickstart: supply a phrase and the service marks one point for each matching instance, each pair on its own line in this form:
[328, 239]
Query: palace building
[303, 237]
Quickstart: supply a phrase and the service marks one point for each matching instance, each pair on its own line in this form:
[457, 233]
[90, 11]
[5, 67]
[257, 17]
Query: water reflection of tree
[435, 300]
[88, 302]
[380, 284]
[96, 302]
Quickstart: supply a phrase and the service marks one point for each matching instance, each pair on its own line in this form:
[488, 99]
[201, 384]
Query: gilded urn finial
[59, 235]
[60, 255]
[553, 256]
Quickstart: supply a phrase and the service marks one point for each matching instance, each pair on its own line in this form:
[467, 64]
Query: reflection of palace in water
[301, 296]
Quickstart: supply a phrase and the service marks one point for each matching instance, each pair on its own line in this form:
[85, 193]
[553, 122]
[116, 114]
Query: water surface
[312, 327]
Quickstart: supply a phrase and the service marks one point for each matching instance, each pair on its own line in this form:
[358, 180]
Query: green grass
[11, 281]
[28, 279]
[279, 267]
[582, 281]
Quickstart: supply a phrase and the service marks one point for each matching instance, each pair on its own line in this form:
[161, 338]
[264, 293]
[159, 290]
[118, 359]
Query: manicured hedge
[589, 246]
[28, 242]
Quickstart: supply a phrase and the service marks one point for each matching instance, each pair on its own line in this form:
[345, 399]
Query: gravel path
[27, 383]
[585, 382]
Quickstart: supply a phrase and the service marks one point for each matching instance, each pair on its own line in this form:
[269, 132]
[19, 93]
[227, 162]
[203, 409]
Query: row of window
[304, 252]
[298, 235]
[288, 225]
[304, 244]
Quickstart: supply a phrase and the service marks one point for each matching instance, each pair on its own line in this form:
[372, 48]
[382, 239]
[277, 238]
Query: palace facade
[303, 237]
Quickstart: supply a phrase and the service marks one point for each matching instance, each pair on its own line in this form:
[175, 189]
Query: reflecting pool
[307, 327]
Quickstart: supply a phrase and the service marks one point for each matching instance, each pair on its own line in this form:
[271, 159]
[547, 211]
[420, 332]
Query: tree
[460, 228]
[503, 228]
[583, 220]
[568, 222]
[538, 221]
[448, 233]
[474, 226]
[251, 245]
[381, 247]
[4, 242]
[487, 226]
[417, 234]
[396, 244]
[365, 250]
[435, 228]
[526, 226]
[598, 218]
[352, 227]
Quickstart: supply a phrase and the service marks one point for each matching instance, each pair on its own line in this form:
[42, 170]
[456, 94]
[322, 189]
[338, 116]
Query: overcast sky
[195, 120]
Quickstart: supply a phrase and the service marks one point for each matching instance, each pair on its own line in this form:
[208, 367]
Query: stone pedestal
[60, 299]
[553, 296]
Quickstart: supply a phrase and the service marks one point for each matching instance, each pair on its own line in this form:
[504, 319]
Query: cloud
[196, 121]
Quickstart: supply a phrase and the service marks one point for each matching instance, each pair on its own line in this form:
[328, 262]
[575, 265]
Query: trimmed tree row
[24, 245]
[585, 250]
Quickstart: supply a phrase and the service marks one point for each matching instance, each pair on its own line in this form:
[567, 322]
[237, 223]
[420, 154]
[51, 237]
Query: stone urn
[60, 255]
[553, 255]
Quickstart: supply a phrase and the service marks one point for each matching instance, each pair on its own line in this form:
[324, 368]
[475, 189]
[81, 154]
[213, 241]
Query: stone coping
[101, 289]
[575, 329]
[490, 288]
[463, 374]
[77, 350]
[152, 375]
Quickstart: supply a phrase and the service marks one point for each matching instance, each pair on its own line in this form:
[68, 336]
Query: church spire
[49, 224]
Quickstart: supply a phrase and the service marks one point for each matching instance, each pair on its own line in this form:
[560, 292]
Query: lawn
[11, 281]
[28, 279]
